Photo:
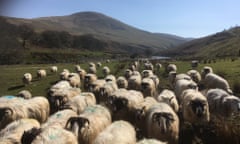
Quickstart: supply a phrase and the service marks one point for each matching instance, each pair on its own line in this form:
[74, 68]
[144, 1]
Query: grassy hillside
[222, 44]
[104, 28]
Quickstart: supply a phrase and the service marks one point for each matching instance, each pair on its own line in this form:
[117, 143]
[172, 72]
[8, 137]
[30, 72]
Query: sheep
[134, 82]
[182, 85]
[99, 64]
[80, 102]
[162, 123]
[63, 84]
[88, 79]
[108, 61]
[147, 73]
[140, 115]
[122, 82]
[148, 87]
[155, 80]
[148, 66]
[106, 71]
[41, 73]
[106, 90]
[195, 76]
[81, 73]
[53, 69]
[64, 74]
[171, 67]
[127, 73]
[110, 78]
[174, 77]
[60, 93]
[122, 103]
[74, 80]
[13, 132]
[59, 118]
[91, 64]
[136, 73]
[136, 64]
[119, 132]
[27, 78]
[92, 70]
[24, 94]
[195, 107]
[92, 121]
[158, 66]
[95, 86]
[14, 108]
[132, 67]
[194, 63]
[48, 135]
[205, 71]
[221, 103]
[168, 97]
[77, 68]
[150, 141]
[212, 80]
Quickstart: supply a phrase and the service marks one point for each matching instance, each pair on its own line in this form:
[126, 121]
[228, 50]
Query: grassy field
[222, 132]
[11, 83]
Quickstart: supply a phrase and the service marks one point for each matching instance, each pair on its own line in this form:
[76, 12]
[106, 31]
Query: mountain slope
[104, 28]
[222, 44]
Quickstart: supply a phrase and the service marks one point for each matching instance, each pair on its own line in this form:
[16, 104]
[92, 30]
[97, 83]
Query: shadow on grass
[15, 87]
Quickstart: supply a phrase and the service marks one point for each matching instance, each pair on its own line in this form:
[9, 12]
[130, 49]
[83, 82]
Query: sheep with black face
[92, 121]
[195, 107]
[162, 123]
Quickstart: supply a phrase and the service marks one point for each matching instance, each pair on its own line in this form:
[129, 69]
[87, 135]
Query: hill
[104, 28]
[221, 44]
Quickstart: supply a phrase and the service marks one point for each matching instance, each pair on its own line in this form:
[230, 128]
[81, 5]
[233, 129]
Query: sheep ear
[70, 122]
[8, 111]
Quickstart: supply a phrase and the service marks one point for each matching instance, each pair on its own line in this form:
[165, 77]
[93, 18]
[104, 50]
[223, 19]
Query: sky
[186, 18]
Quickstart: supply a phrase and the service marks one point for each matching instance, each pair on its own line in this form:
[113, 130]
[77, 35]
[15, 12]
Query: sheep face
[146, 73]
[92, 87]
[122, 83]
[5, 113]
[30, 135]
[163, 120]
[232, 104]
[140, 113]
[103, 92]
[128, 73]
[117, 103]
[76, 124]
[56, 102]
[199, 107]
[145, 85]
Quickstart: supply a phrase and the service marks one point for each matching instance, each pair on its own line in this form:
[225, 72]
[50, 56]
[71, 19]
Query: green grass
[11, 76]
[11, 83]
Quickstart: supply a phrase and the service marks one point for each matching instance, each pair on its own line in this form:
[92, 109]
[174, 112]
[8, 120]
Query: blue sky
[187, 18]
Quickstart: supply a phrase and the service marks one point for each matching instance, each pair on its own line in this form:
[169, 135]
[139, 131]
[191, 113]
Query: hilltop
[221, 44]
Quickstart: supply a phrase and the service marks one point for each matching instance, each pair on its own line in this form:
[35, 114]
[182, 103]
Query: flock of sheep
[81, 108]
